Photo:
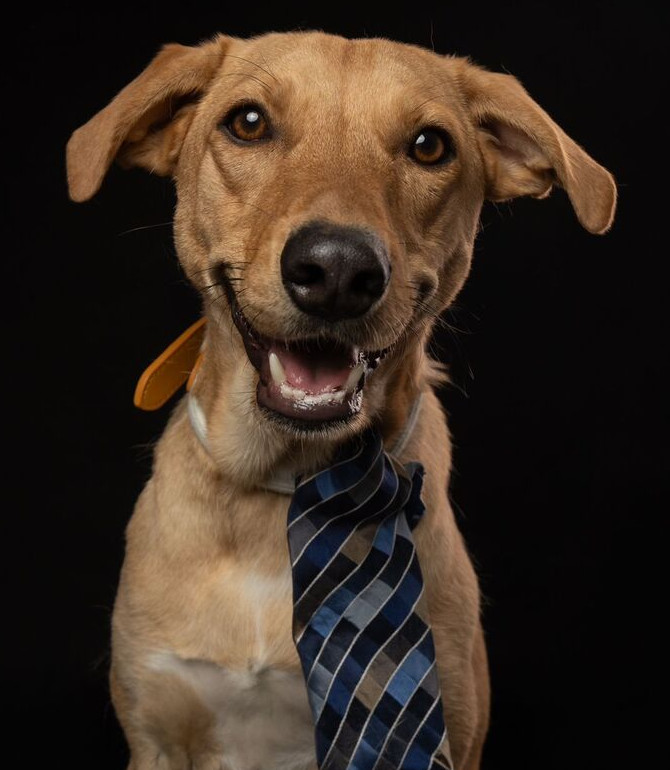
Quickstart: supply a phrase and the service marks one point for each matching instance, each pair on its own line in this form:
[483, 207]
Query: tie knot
[361, 479]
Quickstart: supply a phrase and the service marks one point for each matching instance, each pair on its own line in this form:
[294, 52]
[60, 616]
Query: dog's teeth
[354, 376]
[276, 369]
[290, 393]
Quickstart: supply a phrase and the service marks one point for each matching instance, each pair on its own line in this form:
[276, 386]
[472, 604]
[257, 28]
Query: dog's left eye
[431, 146]
[247, 124]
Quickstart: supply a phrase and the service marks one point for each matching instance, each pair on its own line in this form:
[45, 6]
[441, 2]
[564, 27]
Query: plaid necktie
[360, 622]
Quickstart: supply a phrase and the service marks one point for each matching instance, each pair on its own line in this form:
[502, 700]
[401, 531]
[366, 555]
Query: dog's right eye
[247, 124]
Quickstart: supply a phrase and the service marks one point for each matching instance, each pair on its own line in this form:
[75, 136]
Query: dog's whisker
[146, 227]
[256, 317]
[225, 262]
[267, 64]
[194, 274]
[252, 62]
[216, 300]
[239, 73]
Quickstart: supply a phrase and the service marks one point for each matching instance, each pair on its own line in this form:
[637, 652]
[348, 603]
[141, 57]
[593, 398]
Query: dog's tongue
[314, 369]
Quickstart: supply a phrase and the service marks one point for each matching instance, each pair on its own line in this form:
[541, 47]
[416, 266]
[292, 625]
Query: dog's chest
[258, 718]
[254, 701]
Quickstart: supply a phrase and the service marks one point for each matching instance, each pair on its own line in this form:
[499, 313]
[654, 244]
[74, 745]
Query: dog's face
[328, 197]
[334, 203]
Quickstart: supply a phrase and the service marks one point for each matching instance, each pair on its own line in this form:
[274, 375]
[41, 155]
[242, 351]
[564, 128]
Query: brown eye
[431, 146]
[247, 124]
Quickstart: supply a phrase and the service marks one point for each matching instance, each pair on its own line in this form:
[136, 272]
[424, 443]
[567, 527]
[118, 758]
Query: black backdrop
[556, 351]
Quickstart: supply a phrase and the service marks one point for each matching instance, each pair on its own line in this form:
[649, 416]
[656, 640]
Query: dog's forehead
[319, 66]
[321, 53]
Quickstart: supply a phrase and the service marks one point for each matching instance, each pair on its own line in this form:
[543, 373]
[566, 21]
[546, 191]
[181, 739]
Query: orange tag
[177, 364]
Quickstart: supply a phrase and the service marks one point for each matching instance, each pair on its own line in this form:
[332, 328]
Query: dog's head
[330, 190]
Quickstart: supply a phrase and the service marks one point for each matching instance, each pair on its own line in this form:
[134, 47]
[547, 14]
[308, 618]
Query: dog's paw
[178, 761]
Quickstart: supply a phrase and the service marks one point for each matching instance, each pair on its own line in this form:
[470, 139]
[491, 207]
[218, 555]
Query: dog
[329, 192]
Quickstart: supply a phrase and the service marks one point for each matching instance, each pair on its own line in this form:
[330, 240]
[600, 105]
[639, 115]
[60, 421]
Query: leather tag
[176, 365]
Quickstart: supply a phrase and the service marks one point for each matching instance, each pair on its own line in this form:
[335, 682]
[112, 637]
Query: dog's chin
[312, 386]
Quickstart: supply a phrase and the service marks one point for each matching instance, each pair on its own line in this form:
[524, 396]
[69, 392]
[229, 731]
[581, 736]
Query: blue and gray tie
[360, 619]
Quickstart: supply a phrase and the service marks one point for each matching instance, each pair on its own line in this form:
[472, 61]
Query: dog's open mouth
[310, 380]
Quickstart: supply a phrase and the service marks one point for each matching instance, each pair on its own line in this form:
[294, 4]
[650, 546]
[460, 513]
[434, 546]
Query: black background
[557, 352]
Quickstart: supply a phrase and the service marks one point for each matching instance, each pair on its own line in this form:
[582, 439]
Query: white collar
[283, 482]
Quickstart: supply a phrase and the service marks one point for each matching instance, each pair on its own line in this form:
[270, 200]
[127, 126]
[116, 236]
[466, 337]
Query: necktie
[359, 618]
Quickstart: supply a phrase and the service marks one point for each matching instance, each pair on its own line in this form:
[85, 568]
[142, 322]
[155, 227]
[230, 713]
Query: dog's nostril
[306, 273]
[334, 272]
[370, 282]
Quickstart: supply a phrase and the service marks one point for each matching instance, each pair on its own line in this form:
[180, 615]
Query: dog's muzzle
[332, 274]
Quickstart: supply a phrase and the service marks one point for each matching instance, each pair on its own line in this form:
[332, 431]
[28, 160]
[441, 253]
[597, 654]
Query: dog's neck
[282, 480]
[251, 453]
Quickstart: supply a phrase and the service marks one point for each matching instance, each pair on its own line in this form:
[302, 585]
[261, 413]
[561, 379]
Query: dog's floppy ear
[526, 152]
[144, 125]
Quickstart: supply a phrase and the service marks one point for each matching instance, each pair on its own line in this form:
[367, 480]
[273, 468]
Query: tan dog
[329, 192]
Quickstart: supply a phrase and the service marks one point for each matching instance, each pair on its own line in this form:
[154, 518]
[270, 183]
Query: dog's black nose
[334, 272]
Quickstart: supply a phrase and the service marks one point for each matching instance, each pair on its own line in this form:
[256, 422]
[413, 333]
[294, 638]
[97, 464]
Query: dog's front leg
[461, 663]
[166, 725]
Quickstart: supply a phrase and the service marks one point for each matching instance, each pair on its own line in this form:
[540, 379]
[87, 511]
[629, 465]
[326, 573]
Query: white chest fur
[259, 717]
